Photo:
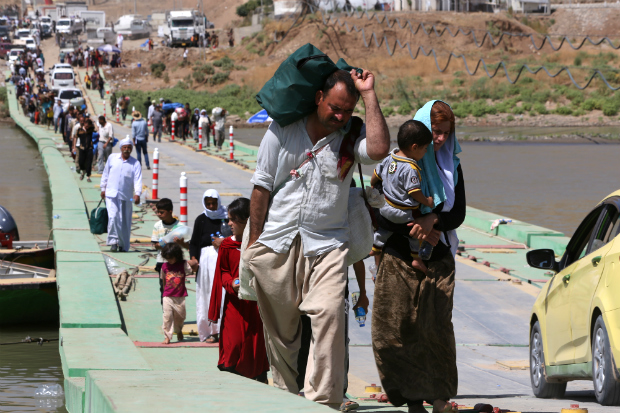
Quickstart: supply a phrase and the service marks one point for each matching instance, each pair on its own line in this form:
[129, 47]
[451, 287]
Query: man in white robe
[121, 183]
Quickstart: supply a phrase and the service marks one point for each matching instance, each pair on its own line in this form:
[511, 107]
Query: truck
[103, 35]
[124, 22]
[70, 9]
[46, 26]
[66, 25]
[93, 20]
[182, 25]
[138, 29]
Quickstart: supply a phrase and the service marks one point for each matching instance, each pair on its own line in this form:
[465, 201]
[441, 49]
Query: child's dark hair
[172, 250]
[164, 204]
[413, 131]
[239, 210]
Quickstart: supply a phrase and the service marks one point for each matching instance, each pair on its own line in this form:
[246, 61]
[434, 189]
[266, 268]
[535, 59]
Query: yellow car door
[584, 281]
[558, 335]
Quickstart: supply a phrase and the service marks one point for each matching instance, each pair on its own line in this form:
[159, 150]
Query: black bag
[289, 95]
[99, 220]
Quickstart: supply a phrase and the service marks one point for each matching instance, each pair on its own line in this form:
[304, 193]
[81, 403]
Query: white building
[528, 6]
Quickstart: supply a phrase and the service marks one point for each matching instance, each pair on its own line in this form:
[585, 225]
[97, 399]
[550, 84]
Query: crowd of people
[296, 243]
[296, 247]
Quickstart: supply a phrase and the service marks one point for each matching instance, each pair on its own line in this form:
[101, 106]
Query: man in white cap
[121, 183]
[205, 122]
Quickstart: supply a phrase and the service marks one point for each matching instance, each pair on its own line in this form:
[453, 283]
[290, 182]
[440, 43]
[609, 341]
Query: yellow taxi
[575, 323]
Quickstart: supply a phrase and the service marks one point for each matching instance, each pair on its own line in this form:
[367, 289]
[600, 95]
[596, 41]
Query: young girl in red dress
[242, 343]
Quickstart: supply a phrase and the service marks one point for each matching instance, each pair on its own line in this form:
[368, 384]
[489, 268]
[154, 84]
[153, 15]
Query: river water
[24, 191]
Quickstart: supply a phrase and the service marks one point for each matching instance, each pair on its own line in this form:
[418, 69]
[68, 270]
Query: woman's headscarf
[220, 212]
[439, 170]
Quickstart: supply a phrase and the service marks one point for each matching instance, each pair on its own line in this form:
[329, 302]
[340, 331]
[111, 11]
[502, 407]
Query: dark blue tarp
[169, 107]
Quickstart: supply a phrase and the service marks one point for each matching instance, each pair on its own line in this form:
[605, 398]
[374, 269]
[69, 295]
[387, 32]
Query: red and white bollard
[154, 193]
[232, 145]
[172, 136]
[149, 126]
[118, 114]
[104, 109]
[183, 199]
[199, 136]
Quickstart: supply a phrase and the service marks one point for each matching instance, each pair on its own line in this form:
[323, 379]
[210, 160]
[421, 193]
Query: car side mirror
[543, 259]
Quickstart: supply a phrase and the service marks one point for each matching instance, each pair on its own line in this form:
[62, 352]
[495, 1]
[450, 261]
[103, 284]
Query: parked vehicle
[31, 44]
[103, 35]
[14, 54]
[124, 22]
[69, 26]
[182, 26]
[19, 38]
[575, 322]
[46, 27]
[63, 79]
[5, 49]
[138, 29]
[69, 44]
[70, 96]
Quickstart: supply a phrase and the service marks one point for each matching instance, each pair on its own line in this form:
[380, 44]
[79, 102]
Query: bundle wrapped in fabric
[290, 94]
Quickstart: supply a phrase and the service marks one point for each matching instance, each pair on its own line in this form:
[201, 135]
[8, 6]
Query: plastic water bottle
[373, 272]
[180, 231]
[56, 216]
[426, 250]
[112, 266]
[360, 313]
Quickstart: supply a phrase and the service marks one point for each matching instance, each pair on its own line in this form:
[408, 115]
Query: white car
[63, 79]
[31, 44]
[66, 95]
[14, 55]
[60, 66]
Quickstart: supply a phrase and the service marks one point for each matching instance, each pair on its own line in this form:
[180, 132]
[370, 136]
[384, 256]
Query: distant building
[529, 6]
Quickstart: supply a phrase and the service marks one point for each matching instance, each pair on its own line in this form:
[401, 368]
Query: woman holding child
[414, 308]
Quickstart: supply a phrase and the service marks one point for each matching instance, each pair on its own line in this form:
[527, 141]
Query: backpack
[289, 95]
[99, 220]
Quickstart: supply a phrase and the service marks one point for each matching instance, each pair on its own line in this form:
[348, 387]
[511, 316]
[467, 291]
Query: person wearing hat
[157, 122]
[121, 183]
[140, 135]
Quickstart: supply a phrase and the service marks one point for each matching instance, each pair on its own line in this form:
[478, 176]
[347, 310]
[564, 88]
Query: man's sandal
[349, 406]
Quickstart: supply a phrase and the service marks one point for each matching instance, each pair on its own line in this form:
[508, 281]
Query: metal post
[183, 199]
[232, 145]
[154, 193]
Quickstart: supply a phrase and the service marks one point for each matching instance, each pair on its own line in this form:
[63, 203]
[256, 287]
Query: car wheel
[606, 388]
[541, 388]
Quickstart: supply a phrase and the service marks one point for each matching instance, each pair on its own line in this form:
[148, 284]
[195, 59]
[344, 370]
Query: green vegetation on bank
[237, 100]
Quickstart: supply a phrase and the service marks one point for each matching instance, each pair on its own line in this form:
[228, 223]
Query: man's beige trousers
[287, 286]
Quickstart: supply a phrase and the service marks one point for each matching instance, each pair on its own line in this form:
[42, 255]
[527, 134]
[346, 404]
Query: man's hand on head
[364, 82]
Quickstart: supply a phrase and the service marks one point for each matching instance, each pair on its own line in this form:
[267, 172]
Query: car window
[578, 245]
[70, 94]
[63, 76]
[605, 229]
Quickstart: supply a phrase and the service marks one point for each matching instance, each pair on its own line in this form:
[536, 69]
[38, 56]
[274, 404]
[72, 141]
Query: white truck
[92, 19]
[182, 25]
[66, 25]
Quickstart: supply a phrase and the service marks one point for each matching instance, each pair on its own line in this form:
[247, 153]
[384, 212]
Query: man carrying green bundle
[298, 229]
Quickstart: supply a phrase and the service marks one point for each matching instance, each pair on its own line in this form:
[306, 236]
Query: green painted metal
[570, 371]
[85, 349]
[74, 394]
[168, 391]
[85, 296]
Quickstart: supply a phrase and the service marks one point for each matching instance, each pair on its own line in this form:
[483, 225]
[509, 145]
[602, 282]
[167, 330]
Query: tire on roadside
[541, 388]
[606, 388]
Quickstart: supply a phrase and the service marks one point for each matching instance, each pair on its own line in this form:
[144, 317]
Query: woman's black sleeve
[194, 243]
[453, 219]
